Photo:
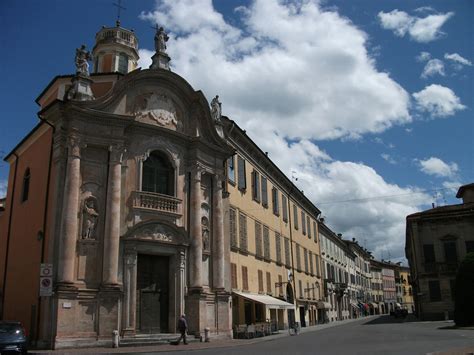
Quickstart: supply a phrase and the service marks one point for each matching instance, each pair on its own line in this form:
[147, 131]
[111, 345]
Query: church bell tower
[115, 50]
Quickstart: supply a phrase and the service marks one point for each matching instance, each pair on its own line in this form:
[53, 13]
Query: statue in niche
[161, 38]
[216, 109]
[205, 234]
[90, 217]
[82, 58]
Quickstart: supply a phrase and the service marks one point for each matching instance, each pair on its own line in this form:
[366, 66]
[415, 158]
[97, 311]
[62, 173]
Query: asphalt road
[382, 335]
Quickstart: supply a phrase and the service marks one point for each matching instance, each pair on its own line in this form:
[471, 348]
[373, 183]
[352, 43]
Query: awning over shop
[269, 301]
[398, 305]
[323, 305]
[373, 304]
[354, 304]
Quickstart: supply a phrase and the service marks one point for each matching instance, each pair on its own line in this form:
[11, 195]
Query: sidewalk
[195, 346]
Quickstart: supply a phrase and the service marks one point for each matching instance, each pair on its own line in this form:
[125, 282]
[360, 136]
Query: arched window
[123, 63]
[158, 174]
[26, 185]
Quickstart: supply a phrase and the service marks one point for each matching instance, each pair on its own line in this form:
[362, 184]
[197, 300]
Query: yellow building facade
[273, 229]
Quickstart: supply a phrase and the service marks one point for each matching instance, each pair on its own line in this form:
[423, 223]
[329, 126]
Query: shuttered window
[308, 223]
[233, 269]
[315, 230]
[256, 186]
[305, 252]
[284, 207]
[269, 283]
[295, 216]
[242, 183]
[264, 191]
[287, 252]
[233, 228]
[275, 202]
[260, 281]
[278, 247]
[245, 278]
[243, 232]
[311, 267]
[258, 240]
[266, 243]
[298, 257]
[303, 222]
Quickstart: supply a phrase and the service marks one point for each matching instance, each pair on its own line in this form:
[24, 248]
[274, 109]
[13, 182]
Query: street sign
[46, 280]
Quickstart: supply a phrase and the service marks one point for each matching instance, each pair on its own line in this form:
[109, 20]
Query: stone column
[218, 233]
[196, 237]
[112, 218]
[69, 225]
[130, 290]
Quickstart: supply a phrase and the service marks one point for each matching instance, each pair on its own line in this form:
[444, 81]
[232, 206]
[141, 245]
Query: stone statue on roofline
[161, 38]
[216, 109]
[82, 58]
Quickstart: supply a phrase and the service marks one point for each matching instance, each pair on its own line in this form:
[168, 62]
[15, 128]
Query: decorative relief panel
[159, 233]
[158, 109]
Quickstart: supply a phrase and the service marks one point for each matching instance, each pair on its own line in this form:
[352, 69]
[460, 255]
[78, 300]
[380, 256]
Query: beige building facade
[273, 229]
[436, 241]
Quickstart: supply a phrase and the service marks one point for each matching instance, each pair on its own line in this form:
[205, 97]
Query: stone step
[153, 339]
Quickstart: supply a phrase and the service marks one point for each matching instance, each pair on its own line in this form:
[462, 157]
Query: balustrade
[156, 202]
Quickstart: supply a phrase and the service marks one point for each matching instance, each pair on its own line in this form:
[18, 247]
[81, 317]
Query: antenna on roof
[119, 7]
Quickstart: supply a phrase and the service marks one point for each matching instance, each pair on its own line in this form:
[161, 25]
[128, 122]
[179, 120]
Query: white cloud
[290, 59]
[438, 101]
[388, 158]
[3, 188]
[457, 61]
[432, 67]
[423, 30]
[306, 73]
[379, 210]
[437, 167]
[423, 57]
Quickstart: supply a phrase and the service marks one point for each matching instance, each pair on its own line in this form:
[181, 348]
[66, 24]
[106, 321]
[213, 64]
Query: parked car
[12, 338]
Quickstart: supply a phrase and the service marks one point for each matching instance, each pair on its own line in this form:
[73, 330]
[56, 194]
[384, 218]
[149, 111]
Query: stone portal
[152, 294]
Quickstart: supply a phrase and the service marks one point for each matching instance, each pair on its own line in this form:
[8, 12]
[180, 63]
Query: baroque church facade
[134, 224]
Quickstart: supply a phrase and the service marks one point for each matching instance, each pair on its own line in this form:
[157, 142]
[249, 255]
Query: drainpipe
[45, 216]
[9, 232]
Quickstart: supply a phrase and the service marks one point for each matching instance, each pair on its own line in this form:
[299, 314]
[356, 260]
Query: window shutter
[234, 275]
[284, 206]
[266, 243]
[295, 216]
[264, 192]
[258, 239]
[260, 281]
[233, 228]
[242, 184]
[245, 280]
[269, 283]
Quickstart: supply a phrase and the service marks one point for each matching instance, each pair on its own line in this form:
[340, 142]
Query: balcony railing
[156, 202]
[441, 267]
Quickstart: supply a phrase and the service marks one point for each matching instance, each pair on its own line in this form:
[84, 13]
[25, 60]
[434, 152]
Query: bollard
[115, 339]
[206, 335]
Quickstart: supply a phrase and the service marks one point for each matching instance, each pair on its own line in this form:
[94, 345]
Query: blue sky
[338, 92]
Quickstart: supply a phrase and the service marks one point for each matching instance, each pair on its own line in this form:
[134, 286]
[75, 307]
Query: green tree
[464, 293]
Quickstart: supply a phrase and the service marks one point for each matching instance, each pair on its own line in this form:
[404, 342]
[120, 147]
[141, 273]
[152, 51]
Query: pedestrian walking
[182, 327]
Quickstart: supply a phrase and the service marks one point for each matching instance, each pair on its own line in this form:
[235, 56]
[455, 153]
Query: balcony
[449, 268]
[154, 202]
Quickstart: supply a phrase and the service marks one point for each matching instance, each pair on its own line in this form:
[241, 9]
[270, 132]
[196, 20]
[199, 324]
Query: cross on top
[119, 7]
